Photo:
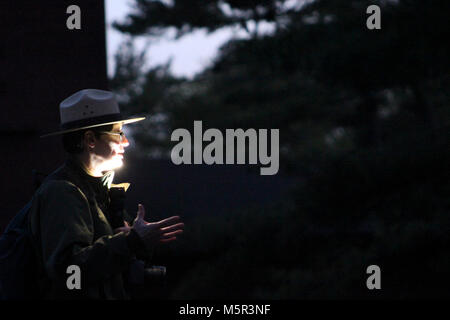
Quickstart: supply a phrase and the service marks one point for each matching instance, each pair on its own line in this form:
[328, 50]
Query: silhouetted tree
[363, 117]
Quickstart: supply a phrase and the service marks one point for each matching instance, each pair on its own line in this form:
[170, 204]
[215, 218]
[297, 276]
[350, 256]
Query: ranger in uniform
[77, 217]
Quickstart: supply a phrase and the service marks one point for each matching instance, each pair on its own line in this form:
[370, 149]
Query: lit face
[109, 150]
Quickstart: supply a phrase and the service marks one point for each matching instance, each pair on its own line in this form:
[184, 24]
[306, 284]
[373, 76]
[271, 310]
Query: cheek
[114, 148]
[106, 151]
[103, 150]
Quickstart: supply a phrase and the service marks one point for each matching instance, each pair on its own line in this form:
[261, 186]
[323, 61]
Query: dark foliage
[364, 121]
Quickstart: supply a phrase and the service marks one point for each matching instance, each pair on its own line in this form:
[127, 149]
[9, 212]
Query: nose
[124, 141]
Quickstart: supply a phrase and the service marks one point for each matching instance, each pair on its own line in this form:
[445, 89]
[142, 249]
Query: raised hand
[125, 229]
[153, 233]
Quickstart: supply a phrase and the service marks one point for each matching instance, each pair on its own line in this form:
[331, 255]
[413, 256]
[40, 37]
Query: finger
[141, 212]
[168, 221]
[122, 229]
[173, 227]
[171, 234]
[126, 224]
[168, 240]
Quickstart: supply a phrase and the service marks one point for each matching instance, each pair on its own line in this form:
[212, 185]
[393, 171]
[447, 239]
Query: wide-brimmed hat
[90, 108]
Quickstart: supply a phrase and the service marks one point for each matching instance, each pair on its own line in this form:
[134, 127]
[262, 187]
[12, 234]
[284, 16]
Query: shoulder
[61, 203]
[60, 190]
[57, 186]
[58, 203]
[62, 180]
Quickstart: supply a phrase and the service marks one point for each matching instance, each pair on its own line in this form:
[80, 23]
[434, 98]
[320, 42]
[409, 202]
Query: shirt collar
[104, 181]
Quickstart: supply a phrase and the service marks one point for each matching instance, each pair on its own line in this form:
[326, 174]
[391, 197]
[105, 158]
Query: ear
[89, 139]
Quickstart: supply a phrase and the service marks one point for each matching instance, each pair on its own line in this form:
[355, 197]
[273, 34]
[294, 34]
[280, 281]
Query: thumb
[141, 212]
[126, 224]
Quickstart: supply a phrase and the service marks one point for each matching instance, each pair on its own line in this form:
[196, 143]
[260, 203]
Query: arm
[67, 236]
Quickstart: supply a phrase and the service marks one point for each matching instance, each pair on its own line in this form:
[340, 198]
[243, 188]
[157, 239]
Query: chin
[113, 164]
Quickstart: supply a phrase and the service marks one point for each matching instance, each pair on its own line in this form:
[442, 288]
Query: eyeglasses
[121, 134]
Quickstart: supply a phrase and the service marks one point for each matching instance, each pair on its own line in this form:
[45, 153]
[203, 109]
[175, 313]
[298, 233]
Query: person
[77, 221]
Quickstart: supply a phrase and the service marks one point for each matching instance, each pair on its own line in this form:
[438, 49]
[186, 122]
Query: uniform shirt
[69, 226]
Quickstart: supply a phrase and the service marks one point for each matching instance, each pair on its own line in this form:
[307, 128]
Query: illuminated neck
[85, 163]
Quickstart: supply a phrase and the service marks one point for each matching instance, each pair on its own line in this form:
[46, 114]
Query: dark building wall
[41, 63]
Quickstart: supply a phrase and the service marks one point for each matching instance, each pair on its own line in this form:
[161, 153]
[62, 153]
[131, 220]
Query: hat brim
[125, 121]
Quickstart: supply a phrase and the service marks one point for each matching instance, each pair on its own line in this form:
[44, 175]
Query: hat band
[92, 121]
